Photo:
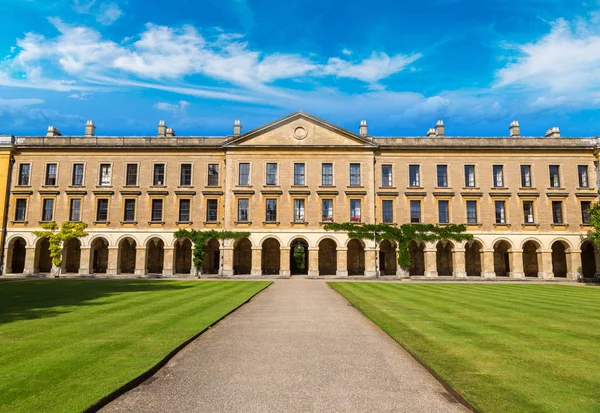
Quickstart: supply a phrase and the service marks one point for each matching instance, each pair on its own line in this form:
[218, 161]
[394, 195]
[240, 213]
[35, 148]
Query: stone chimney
[170, 132]
[363, 129]
[237, 128]
[431, 132]
[515, 129]
[162, 128]
[553, 133]
[439, 128]
[52, 131]
[90, 128]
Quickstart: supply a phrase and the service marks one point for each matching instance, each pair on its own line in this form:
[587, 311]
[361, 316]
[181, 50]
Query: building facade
[525, 200]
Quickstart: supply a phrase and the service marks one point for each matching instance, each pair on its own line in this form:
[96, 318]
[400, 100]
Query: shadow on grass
[49, 298]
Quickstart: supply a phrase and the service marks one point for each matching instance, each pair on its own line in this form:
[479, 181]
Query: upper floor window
[442, 176]
[299, 210]
[184, 210]
[500, 212]
[157, 210]
[185, 175]
[355, 210]
[244, 174]
[498, 172]
[131, 176]
[77, 179]
[386, 175]
[528, 217]
[327, 174]
[129, 210]
[415, 211]
[554, 176]
[105, 176]
[557, 213]
[582, 172]
[471, 212]
[354, 174]
[327, 210]
[271, 210]
[21, 210]
[47, 209]
[75, 210]
[213, 174]
[24, 172]
[159, 174]
[299, 174]
[242, 209]
[51, 170]
[102, 210]
[469, 176]
[211, 210]
[387, 211]
[414, 175]
[526, 176]
[585, 212]
[271, 174]
[443, 212]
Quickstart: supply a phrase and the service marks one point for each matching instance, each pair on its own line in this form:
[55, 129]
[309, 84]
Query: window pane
[442, 176]
[157, 206]
[528, 212]
[327, 174]
[24, 172]
[159, 174]
[271, 212]
[75, 210]
[77, 174]
[129, 214]
[186, 174]
[583, 176]
[243, 209]
[469, 175]
[104, 174]
[525, 176]
[414, 175]
[415, 211]
[443, 214]
[355, 210]
[386, 175]
[498, 176]
[500, 213]
[48, 209]
[131, 178]
[387, 211]
[554, 176]
[327, 210]
[354, 174]
[244, 174]
[211, 210]
[585, 212]
[298, 209]
[557, 216]
[20, 210]
[213, 175]
[271, 174]
[184, 210]
[102, 210]
[471, 212]
[299, 174]
[51, 174]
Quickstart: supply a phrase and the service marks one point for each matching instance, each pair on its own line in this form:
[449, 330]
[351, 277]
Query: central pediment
[300, 129]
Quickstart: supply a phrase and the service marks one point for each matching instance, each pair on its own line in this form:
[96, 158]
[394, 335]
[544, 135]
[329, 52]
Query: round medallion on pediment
[300, 133]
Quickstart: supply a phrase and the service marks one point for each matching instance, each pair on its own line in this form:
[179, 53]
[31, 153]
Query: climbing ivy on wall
[57, 238]
[403, 235]
[594, 235]
[199, 239]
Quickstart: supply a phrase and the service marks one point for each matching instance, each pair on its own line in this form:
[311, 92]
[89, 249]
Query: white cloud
[108, 14]
[18, 103]
[347, 52]
[171, 107]
[371, 70]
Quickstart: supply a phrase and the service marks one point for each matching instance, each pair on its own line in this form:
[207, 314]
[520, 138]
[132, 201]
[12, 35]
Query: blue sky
[202, 64]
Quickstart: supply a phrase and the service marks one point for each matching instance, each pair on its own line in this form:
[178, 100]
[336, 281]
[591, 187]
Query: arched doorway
[43, 262]
[242, 256]
[356, 257]
[212, 257]
[127, 256]
[299, 257]
[530, 259]
[588, 260]
[327, 257]
[473, 259]
[155, 255]
[99, 256]
[417, 258]
[271, 257]
[387, 258]
[183, 256]
[502, 259]
[16, 256]
[443, 258]
[559, 259]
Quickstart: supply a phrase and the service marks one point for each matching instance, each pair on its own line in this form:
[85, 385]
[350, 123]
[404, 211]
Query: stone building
[525, 200]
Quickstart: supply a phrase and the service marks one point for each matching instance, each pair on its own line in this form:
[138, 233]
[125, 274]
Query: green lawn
[64, 344]
[505, 348]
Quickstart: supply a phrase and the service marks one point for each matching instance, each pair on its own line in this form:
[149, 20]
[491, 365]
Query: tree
[403, 235]
[594, 235]
[57, 238]
[199, 239]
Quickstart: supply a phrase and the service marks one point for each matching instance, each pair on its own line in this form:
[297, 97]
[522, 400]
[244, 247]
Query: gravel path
[296, 347]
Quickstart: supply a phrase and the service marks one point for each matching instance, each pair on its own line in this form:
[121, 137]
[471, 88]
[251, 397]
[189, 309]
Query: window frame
[412, 204]
[390, 183]
[110, 171]
[152, 210]
[328, 218]
[579, 176]
[272, 212]
[46, 174]
[239, 218]
[71, 200]
[300, 214]
[137, 174]
[302, 175]
[98, 210]
[550, 175]
[389, 202]
[19, 170]
[44, 200]
[500, 215]
[323, 175]
[562, 213]
[495, 182]
[351, 182]
[125, 202]
[16, 212]
[156, 182]
[189, 210]
[466, 181]
[523, 176]
[440, 203]
[476, 212]
[585, 214]
[191, 174]
[73, 175]
[248, 181]
[353, 216]
[526, 221]
[267, 174]
[418, 177]
[218, 175]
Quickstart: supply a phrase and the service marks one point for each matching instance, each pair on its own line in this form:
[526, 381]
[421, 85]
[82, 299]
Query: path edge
[137, 381]
[459, 398]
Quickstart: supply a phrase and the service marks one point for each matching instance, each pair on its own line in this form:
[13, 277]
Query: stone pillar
[256, 261]
[430, 253]
[113, 261]
[516, 264]
[574, 265]
[29, 261]
[54, 271]
[226, 269]
[342, 262]
[460, 270]
[84, 261]
[193, 269]
[140, 261]
[487, 264]
[313, 262]
[284, 261]
[370, 264]
[168, 261]
[545, 265]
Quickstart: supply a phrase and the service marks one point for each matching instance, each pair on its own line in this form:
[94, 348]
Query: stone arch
[212, 256]
[72, 255]
[99, 255]
[531, 249]
[335, 241]
[267, 237]
[356, 257]
[127, 255]
[155, 255]
[271, 256]
[299, 256]
[388, 263]
[43, 262]
[15, 258]
[182, 256]
[502, 258]
[327, 256]
[417, 258]
[443, 258]
[298, 238]
[588, 259]
[473, 258]
[560, 266]
[154, 237]
[242, 256]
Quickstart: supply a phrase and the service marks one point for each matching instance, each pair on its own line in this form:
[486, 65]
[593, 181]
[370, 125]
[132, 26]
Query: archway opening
[99, 256]
[356, 257]
[473, 259]
[417, 258]
[443, 258]
[387, 258]
[242, 256]
[502, 259]
[127, 256]
[212, 257]
[155, 255]
[183, 256]
[42, 253]
[327, 257]
[530, 259]
[299, 257]
[17, 251]
[588, 260]
[271, 257]
[559, 259]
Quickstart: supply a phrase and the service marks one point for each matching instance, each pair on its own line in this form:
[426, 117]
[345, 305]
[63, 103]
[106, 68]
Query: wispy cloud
[179, 107]
[108, 14]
